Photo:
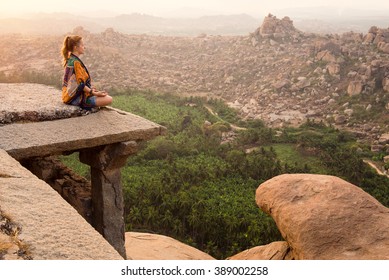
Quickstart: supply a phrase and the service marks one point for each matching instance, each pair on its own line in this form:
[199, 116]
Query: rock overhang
[36, 123]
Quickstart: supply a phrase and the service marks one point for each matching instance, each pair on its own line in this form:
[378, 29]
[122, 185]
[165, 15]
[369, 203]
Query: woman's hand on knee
[99, 93]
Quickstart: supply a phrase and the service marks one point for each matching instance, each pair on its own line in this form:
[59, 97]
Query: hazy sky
[168, 7]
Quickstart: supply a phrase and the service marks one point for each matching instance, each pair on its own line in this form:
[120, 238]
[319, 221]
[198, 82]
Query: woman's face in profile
[80, 47]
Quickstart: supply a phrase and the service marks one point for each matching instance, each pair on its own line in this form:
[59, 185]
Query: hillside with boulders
[276, 73]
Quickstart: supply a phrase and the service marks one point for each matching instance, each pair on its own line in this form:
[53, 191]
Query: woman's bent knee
[103, 101]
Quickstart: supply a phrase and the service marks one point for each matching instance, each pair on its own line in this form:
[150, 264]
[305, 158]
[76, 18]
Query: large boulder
[325, 217]
[274, 251]
[385, 84]
[379, 37]
[384, 139]
[326, 56]
[369, 38]
[147, 246]
[384, 47]
[333, 69]
[355, 88]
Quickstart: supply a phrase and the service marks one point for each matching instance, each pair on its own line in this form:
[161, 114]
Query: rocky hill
[277, 73]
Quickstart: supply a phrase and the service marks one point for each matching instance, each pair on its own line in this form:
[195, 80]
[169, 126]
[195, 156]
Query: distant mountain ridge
[320, 20]
[335, 19]
[60, 23]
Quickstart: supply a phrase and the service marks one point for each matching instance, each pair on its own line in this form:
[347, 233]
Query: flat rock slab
[35, 122]
[50, 228]
[108, 126]
[146, 246]
[274, 251]
[33, 102]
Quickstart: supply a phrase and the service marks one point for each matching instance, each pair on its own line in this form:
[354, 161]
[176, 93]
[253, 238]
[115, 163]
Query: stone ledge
[35, 122]
[32, 103]
[26, 140]
[50, 227]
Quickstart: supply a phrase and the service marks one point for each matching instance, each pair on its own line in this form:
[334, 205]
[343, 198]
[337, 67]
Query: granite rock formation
[379, 37]
[324, 217]
[276, 29]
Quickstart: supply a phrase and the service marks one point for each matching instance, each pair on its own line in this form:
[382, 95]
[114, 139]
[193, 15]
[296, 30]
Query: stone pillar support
[107, 195]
